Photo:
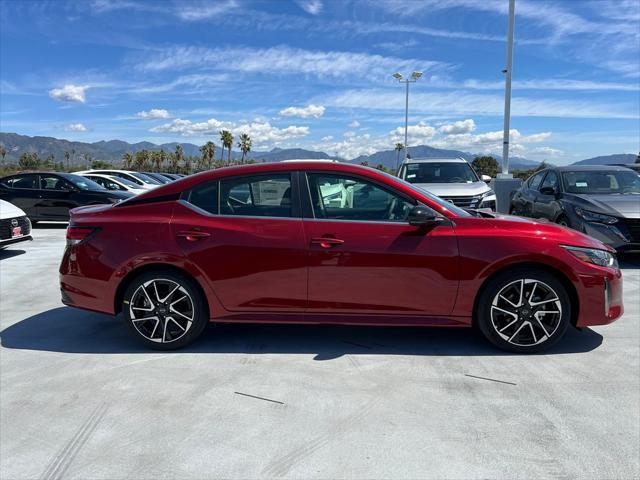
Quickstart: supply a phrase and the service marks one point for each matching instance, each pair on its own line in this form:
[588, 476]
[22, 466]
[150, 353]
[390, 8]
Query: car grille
[633, 226]
[6, 226]
[465, 202]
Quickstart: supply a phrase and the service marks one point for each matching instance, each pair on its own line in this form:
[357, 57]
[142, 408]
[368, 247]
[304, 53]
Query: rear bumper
[600, 298]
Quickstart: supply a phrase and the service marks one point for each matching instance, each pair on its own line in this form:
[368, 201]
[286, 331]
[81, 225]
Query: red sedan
[319, 242]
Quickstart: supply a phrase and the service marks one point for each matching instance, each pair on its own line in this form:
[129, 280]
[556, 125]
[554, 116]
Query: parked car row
[50, 195]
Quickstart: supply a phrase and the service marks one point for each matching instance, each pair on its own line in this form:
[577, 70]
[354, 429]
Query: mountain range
[112, 151]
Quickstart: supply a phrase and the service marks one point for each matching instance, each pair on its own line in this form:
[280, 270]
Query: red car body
[277, 270]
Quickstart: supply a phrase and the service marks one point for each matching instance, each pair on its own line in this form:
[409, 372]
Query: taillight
[77, 235]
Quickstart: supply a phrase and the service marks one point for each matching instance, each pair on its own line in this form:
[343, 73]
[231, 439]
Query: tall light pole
[414, 78]
[507, 91]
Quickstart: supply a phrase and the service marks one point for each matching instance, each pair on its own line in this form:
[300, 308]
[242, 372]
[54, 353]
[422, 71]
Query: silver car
[452, 179]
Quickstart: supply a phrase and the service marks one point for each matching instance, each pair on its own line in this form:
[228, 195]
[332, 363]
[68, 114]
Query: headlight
[488, 193]
[595, 217]
[593, 255]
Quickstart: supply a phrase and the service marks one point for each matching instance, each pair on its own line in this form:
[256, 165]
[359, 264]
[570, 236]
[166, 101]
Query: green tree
[208, 150]
[141, 160]
[244, 145]
[486, 165]
[100, 165]
[398, 148]
[29, 161]
[3, 152]
[226, 138]
[163, 158]
[179, 155]
[87, 159]
[637, 157]
[50, 161]
[364, 163]
[127, 160]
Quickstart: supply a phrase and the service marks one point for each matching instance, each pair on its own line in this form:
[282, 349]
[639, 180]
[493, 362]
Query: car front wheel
[165, 311]
[525, 310]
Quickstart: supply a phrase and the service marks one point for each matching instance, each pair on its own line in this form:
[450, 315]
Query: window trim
[310, 213]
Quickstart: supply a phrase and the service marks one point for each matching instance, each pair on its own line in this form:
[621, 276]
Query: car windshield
[448, 205]
[439, 172]
[145, 178]
[83, 183]
[602, 182]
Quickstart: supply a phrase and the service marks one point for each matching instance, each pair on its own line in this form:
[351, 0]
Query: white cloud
[76, 127]
[465, 103]
[354, 124]
[546, 151]
[281, 60]
[261, 131]
[353, 145]
[69, 93]
[417, 134]
[456, 128]
[153, 114]
[193, 12]
[310, 111]
[313, 7]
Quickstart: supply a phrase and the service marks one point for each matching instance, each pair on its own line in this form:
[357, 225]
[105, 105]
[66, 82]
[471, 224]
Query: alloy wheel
[161, 310]
[526, 312]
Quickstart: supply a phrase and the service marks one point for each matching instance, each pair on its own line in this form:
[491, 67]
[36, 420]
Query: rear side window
[205, 196]
[26, 181]
[257, 196]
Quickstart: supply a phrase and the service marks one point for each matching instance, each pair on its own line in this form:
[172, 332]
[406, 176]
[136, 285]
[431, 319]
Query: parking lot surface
[81, 399]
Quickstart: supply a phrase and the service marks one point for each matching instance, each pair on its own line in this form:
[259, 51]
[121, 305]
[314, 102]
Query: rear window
[27, 181]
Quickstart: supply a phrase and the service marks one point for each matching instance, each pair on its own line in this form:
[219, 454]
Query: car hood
[454, 189]
[530, 228]
[9, 210]
[618, 205]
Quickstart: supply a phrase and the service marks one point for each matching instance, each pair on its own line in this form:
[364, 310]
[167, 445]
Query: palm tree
[208, 150]
[163, 158]
[226, 138]
[88, 159]
[244, 145]
[3, 152]
[141, 160]
[398, 148]
[67, 156]
[127, 160]
[179, 155]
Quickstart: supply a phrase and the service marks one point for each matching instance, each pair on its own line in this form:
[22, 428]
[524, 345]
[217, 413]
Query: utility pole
[414, 78]
[507, 91]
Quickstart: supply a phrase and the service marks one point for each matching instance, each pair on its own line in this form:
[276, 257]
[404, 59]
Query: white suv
[452, 179]
[145, 182]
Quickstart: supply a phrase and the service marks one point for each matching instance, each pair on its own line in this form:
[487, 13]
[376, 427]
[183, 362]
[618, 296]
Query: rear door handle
[193, 235]
[327, 242]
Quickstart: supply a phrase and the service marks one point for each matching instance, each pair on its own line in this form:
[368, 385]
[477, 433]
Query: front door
[546, 204]
[56, 198]
[364, 258]
[246, 234]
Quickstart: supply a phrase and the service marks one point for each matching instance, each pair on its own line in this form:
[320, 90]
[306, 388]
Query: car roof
[434, 160]
[591, 168]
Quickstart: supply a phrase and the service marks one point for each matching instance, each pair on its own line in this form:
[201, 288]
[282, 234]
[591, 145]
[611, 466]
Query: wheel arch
[566, 283]
[155, 267]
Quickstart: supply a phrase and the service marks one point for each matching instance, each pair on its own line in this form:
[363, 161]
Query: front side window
[257, 196]
[23, 181]
[49, 182]
[341, 197]
[550, 181]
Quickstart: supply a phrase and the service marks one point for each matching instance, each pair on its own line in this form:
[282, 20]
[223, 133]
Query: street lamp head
[416, 75]
[397, 76]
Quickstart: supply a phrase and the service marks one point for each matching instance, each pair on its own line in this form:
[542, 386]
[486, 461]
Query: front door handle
[327, 242]
[193, 235]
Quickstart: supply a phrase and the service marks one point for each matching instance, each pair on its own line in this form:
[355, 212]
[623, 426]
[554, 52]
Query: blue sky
[317, 73]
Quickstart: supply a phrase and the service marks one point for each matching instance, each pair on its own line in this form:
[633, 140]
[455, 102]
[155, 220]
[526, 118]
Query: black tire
[496, 325]
[172, 337]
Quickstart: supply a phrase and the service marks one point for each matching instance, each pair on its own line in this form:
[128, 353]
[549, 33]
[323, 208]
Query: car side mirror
[421, 216]
[548, 191]
[486, 178]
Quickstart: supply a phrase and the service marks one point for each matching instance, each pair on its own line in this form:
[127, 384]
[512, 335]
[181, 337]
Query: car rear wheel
[165, 311]
[525, 310]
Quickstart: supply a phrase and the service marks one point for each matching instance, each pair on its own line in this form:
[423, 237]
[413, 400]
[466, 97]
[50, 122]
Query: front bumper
[600, 297]
[618, 235]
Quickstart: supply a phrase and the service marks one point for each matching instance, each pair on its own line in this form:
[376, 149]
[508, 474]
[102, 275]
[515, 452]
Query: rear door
[246, 234]
[364, 257]
[23, 192]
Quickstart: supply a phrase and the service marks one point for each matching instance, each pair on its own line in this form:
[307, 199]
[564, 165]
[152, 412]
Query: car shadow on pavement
[70, 330]
[10, 252]
[51, 225]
